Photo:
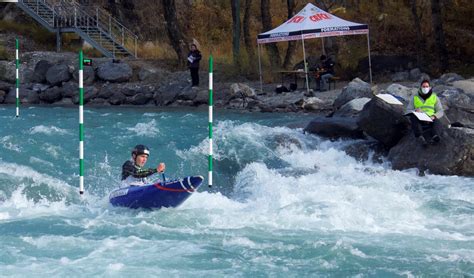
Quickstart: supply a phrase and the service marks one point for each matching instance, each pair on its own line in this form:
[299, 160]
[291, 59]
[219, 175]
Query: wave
[48, 130]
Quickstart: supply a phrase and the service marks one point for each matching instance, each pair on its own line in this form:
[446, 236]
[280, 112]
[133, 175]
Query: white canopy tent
[312, 22]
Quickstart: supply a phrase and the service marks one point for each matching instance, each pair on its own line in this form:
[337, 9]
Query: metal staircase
[94, 25]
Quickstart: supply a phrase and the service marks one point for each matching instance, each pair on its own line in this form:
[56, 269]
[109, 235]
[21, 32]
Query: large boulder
[117, 98]
[314, 104]
[454, 155]
[335, 128]
[449, 78]
[40, 70]
[7, 71]
[241, 90]
[459, 107]
[27, 96]
[400, 76]
[364, 150]
[90, 93]
[140, 99]
[467, 86]
[51, 95]
[352, 108]
[114, 72]
[355, 89]
[58, 74]
[401, 91]
[88, 75]
[383, 121]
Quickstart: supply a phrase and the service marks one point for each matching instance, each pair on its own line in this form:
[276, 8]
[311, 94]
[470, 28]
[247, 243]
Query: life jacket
[428, 105]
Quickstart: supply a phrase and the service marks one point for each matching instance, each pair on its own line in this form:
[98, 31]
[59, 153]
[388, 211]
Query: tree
[249, 43]
[437, 23]
[290, 51]
[272, 49]
[174, 33]
[420, 40]
[236, 32]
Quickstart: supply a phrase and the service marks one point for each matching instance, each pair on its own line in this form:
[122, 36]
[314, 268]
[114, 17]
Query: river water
[283, 204]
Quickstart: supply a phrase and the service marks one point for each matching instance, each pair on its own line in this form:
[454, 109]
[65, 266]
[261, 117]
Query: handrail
[69, 13]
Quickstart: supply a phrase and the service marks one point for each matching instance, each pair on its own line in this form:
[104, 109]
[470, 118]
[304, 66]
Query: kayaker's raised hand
[161, 167]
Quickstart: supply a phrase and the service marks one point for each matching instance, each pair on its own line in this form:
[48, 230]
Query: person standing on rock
[194, 57]
[427, 102]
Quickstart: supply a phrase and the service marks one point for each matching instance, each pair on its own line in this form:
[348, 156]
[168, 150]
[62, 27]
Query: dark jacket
[131, 169]
[195, 57]
[328, 66]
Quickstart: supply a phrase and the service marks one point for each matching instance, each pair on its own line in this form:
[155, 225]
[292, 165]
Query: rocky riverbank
[359, 113]
[52, 78]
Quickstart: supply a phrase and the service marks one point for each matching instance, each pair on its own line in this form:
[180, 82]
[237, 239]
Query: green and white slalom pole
[81, 123]
[210, 123]
[17, 74]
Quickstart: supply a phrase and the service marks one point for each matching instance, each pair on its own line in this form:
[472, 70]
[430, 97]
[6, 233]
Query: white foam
[7, 143]
[149, 129]
[48, 130]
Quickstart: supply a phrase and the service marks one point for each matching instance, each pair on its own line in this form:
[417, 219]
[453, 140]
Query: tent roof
[312, 22]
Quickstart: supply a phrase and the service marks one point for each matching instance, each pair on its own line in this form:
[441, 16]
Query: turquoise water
[284, 204]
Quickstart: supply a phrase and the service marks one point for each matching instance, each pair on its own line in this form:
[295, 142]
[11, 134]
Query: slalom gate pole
[81, 123]
[17, 75]
[210, 122]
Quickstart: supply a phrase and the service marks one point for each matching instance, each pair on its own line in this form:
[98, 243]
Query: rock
[202, 97]
[335, 128]
[415, 74]
[27, 96]
[448, 78]
[98, 102]
[5, 86]
[58, 74]
[37, 87]
[90, 92]
[7, 71]
[401, 91]
[241, 90]
[51, 95]
[384, 122]
[140, 99]
[88, 76]
[70, 89]
[2, 96]
[366, 150]
[355, 89]
[400, 76]
[459, 107]
[424, 76]
[352, 108]
[314, 104]
[114, 72]
[39, 75]
[454, 155]
[117, 98]
[188, 93]
[467, 86]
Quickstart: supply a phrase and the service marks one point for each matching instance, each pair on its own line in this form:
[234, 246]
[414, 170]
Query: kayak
[157, 195]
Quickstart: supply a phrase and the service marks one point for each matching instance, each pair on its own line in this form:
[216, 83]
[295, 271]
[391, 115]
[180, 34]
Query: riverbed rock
[400, 76]
[384, 122]
[314, 104]
[114, 72]
[58, 74]
[404, 92]
[2, 96]
[449, 78]
[459, 107]
[453, 155]
[366, 150]
[352, 108]
[335, 128]
[357, 88]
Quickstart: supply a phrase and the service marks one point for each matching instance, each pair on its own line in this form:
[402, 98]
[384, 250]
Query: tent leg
[260, 69]
[370, 62]
[305, 65]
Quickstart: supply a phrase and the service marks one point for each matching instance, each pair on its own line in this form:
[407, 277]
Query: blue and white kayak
[157, 195]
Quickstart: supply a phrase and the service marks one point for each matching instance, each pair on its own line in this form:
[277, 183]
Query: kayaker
[133, 171]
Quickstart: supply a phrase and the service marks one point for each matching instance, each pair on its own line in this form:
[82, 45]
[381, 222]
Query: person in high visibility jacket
[427, 102]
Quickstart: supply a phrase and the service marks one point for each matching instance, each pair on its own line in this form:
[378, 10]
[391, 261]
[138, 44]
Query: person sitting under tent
[133, 171]
[324, 71]
[428, 102]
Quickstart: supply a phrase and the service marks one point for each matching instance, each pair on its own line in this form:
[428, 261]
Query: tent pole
[260, 68]
[305, 64]
[370, 62]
